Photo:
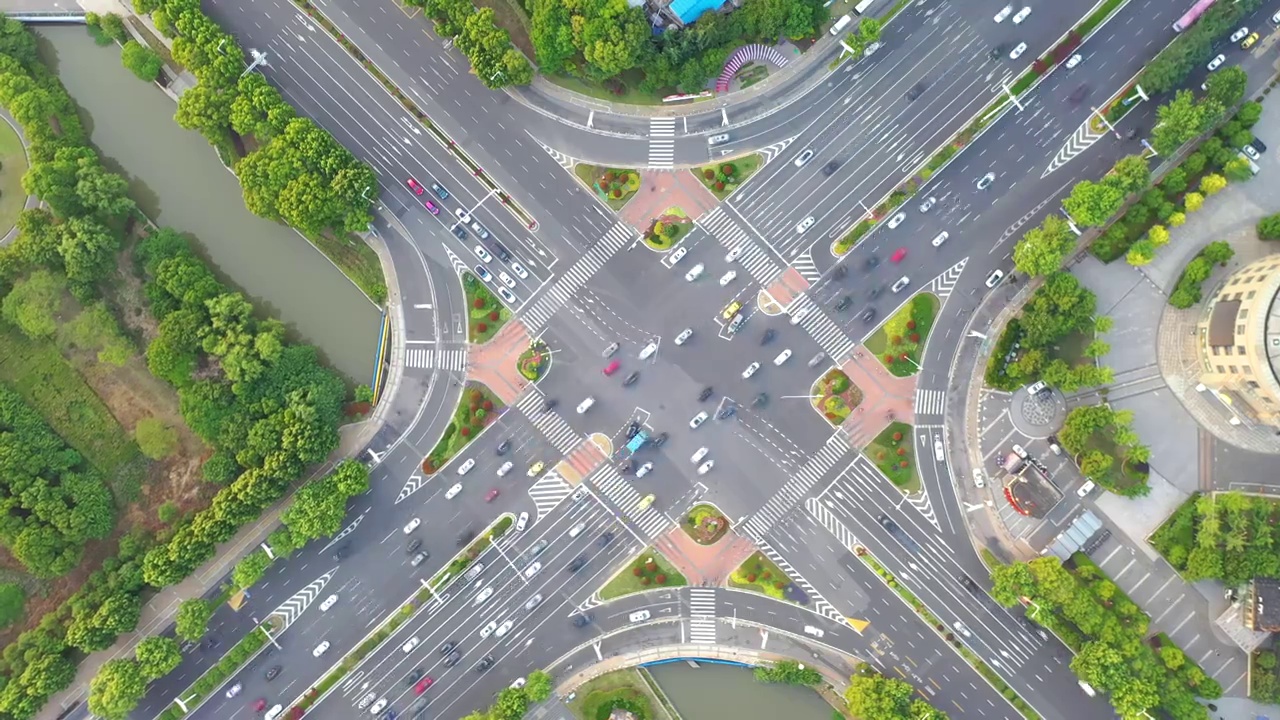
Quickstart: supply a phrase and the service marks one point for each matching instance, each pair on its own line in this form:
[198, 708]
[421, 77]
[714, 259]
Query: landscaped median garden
[535, 361]
[477, 408]
[214, 677]
[1105, 447]
[900, 341]
[722, 178]
[487, 314]
[463, 560]
[611, 185]
[649, 570]
[1225, 536]
[761, 575]
[705, 524]
[835, 396]
[667, 229]
[893, 451]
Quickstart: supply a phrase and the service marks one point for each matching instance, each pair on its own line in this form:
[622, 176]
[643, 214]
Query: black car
[549, 404]
[874, 292]
[577, 563]
[888, 524]
[706, 393]
[872, 262]
[273, 671]
[868, 315]
[916, 91]
[658, 440]
[840, 273]
[605, 539]
[767, 337]
[466, 537]
[997, 52]
[413, 546]
[626, 466]
[485, 663]
[729, 410]
[452, 659]
[503, 254]
[633, 429]
[448, 647]
[1259, 145]
[761, 400]
[459, 232]
[968, 583]
[844, 303]
[830, 168]
[341, 551]
[631, 379]
[414, 676]
[582, 620]
[1079, 94]
[503, 447]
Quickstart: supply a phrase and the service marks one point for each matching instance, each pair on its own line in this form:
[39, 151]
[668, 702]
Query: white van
[841, 24]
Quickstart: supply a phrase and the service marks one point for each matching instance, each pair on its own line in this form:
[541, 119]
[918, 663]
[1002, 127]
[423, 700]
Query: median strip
[215, 677]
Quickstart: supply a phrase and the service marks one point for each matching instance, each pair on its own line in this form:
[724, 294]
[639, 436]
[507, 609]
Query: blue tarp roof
[690, 10]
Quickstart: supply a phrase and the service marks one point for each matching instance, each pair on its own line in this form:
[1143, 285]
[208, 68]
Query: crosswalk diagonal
[548, 422]
[547, 492]
[436, 359]
[702, 616]
[824, 331]
[807, 268]
[730, 234]
[610, 484]
[828, 519]
[539, 312]
[929, 402]
[820, 604]
[797, 486]
[662, 143]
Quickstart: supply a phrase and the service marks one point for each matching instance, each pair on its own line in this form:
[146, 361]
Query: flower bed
[723, 178]
[613, 186]
[900, 340]
[705, 524]
[487, 314]
[835, 396]
[534, 361]
[649, 570]
[759, 574]
[892, 451]
[477, 408]
[667, 229]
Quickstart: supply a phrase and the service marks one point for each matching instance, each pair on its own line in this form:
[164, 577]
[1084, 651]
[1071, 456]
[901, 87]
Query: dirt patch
[508, 15]
[46, 596]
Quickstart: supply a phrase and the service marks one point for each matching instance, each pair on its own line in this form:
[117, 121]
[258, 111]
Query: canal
[713, 692]
[177, 180]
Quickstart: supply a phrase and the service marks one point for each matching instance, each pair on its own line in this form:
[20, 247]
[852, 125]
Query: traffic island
[487, 315]
[705, 524]
[761, 575]
[534, 362]
[649, 570]
[624, 690]
[615, 187]
[893, 452]
[899, 342]
[667, 228]
[834, 396]
[477, 409]
[722, 178]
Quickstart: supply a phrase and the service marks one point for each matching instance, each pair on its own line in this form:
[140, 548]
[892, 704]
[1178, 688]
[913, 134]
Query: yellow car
[647, 501]
[732, 310]
[536, 468]
[1249, 41]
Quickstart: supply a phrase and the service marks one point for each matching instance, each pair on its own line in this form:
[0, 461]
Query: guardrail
[49, 17]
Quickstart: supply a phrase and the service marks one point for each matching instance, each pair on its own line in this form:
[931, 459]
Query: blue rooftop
[690, 10]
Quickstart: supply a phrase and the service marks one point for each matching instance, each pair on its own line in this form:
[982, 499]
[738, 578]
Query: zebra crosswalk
[436, 359]
[730, 234]
[702, 616]
[828, 520]
[547, 492]
[821, 327]
[807, 268]
[820, 604]
[576, 276]
[929, 402]
[548, 422]
[791, 493]
[662, 143]
[610, 483]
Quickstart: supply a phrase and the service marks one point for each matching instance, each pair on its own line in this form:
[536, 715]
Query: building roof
[1222, 323]
[690, 10]
[1266, 604]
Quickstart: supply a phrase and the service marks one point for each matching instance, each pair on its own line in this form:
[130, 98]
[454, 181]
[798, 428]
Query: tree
[141, 61]
[117, 689]
[1180, 120]
[112, 26]
[1238, 169]
[1212, 184]
[206, 109]
[1141, 253]
[538, 686]
[192, 620]
[1100, 665]
[512, 704]
[1158, 235]
[1249, 114]
[872, 696]
[17, 43]
[1269, 227]
[1218, 252]
[12, 601]
[1092, 204]
[1227, 86]
[788, 672]
[250, 569]
[1192, 201]
[1095, 464]
[1177, 219]
[1043, 248]
[157, 656]
[1131, 174]
[155, 438]
[34, 303]
[551, 33]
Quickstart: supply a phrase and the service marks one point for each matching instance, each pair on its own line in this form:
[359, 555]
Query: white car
[697, 457]
[483, 254]
[482, 272]
[814, 631]
[506, 280]
[684, 335]
[985, 181]
[504, 628]
[585, 405]
[937, 450]
[1252, 152]
[517, 683]
[978, 480]
[1022, 15]
[409, 645]
[234, 690]
[751, 370]
[805, 224]
[507, 295]
[644, 469]
[1240, 34]
[1086, 488]
[695, 272]
[1074, 60]
[506, 468]
[412, 525]
[453, 491]
[728, 277]
[638, 616]
[928, 204]
[648, 351]
[705, 467]
[320, 649]
[798, 315]
[940, 238]
[465, 467]
[783, 356]
[522, 522]
[519, 270]
[328, 602]
[896, 220]
[1020, 451]
[485, 594]
[960, 628]
[698, 420]
[532, 569]
[1216, 63]
[901, 283]
[1004, 13]
[679, 253]
[273, 713]
[377, 707]
[804, 157]
[366, 701]
[463, 215]
[994, 278]
[733, 255]
[1017, 51]
[487, 630]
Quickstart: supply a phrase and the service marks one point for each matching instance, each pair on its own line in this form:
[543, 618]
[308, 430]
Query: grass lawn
[13, 164]
[705, 524]
[1120, 476]
[839, 396]
[624, 84]
[613, 186]
[477, 408]
[760, 575]
[721, 183]
[846, 243]
[667, 229]
[357, 261]
[621, 688]
[889, 455]
[488, 315]
[535, 361]
[649, 570]
[900, 340]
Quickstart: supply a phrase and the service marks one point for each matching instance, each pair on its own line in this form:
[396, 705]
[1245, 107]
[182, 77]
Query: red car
[431, 207]
[899, 254]
[612, 367]
[491, 495]
[415, 186]
[422, 685]
[260, 704]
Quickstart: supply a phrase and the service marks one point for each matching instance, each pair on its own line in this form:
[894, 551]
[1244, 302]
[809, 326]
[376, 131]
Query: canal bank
[715, 690]
[177, 179]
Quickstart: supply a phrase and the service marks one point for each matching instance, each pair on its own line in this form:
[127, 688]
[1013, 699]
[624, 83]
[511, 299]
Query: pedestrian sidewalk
[705, 565]
[496, 363]
[885, 398]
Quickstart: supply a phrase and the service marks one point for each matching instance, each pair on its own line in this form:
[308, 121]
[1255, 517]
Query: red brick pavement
[581, 462]
[787, 286]
[495, 363]
[705, 564]
[882, 395]
[660, 190]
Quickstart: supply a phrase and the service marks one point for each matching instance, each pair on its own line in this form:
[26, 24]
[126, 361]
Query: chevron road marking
[561, 159]
[944, 283]
[772, 151]
[290, 609]
[1080, 140]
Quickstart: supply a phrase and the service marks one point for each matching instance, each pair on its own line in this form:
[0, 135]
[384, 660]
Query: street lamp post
[474, 207]
[259, 58]
[800, 397]
[1012, 98]
[1109, 126]
[267, 632]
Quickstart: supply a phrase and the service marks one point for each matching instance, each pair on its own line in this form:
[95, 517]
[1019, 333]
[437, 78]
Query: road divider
[412, 108]
[189, 700]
